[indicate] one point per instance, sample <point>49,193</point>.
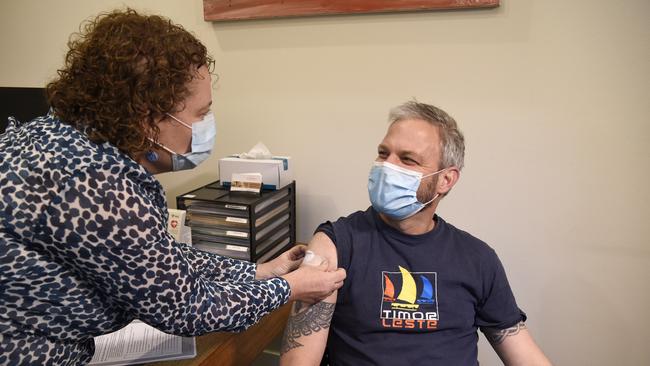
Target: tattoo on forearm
<point>497,336</point>
<point>305,320</point>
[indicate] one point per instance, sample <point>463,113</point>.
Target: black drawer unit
<point>241,225</point>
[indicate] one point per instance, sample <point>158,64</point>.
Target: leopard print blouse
<point>84,250</point>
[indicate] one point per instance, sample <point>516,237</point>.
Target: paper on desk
<point>137,343</point>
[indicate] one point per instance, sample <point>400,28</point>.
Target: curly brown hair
<point>124,71</point>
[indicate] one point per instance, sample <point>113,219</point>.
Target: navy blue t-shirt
<point>414,299</point>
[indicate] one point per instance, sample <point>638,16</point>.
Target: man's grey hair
<point>452,142</point>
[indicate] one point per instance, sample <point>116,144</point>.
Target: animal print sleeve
<point>107,229</point>
<point>219,268</point>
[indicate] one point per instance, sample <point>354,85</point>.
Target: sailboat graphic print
<point>409,297</point>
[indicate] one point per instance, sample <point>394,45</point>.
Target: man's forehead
<point>402,149</point>
<point>416,136</point>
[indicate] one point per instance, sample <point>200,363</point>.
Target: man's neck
<point>420,223</point>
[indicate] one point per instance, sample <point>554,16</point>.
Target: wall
<point>553,99</point>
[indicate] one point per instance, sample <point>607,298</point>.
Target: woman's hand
<point>313,283</point>
<point>281,265</point>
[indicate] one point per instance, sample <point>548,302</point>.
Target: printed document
<point>139,343</point>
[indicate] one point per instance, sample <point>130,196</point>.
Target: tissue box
<point>276,172</point>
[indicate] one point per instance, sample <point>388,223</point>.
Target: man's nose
<point>393,159</point>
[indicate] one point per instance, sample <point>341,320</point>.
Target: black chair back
<point>23,103</point>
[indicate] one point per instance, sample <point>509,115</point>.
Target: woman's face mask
<point>204,133</point>
<point>393,190</point>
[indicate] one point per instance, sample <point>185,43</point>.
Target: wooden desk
<point>226,349</point>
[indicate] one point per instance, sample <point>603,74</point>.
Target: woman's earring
<point>152,156</point>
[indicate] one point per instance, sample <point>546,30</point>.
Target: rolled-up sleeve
<point>497,308</point>
<point>109,230</point>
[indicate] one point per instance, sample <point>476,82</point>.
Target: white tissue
<point>312,259</point>
<point>259,151</point>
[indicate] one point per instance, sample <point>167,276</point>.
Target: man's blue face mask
<point>393,190</point>
<point>203,136</point>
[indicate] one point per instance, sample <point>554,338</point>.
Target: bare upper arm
<point>322,245</point>
<point>307,328</point>
<point>515,346</point>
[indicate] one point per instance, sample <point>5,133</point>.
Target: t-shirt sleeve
<point>337,233</point>
<point>498,308</point>
<point>340,235</point>
<point>112,234</point>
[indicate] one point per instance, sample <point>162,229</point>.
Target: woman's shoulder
<point>67,142</point>
<point>51,142</point>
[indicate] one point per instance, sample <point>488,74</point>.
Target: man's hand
<point>283,264</point>
<point>311,284</point>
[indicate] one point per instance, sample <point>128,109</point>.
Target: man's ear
<point>447,179</point>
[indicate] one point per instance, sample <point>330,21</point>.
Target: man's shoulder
<point>468,242</point>
<point>357,217</point>
<point>347,229</point>
<point>356,221</point>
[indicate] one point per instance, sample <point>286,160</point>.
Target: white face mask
<point>204,133</point>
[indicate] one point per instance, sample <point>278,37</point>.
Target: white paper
<point>175,222</point>
<point>238,220</point>
<point>238,234</point>
<point>186,235</point>
<point>246,182</point>
<point>237,248</point>
<point>236,207</point>
<point>138,343</point>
